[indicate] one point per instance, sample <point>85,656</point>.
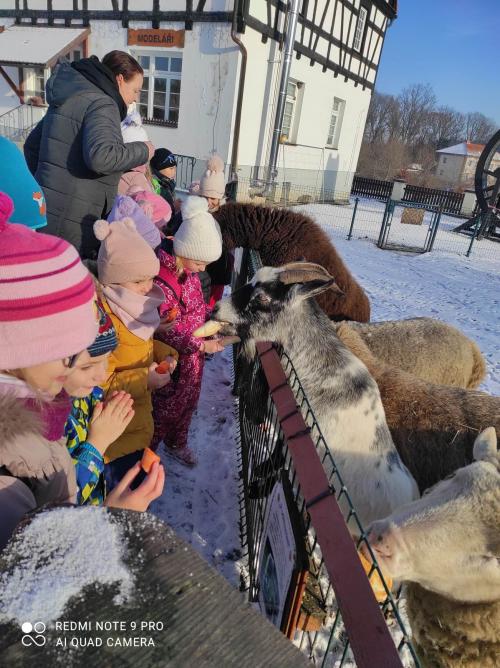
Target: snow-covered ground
<point>201,504</point>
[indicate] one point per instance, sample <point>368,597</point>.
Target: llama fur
<point>282,236</point>
<point>427,348</point>
<point>433,426</point>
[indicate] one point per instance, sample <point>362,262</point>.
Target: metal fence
<point>371,188</point>
<point>333,615</point>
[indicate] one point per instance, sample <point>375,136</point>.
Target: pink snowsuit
<point>174,404</point>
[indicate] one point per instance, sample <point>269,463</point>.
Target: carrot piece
<point>148,459</point>
<point>171,315</point>
<point>163,367</point>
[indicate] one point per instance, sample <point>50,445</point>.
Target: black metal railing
<point>338,619</point>
<point>371,188</point>
<point>448,201</point>
<point>185,171</point>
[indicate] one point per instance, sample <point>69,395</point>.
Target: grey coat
<point>77,155</point>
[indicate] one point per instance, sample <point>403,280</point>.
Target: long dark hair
<point>120,62</point>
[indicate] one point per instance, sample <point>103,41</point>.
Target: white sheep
<point>427,348</point>
<point>446,546</point>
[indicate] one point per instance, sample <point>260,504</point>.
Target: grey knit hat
<point>198,237</point>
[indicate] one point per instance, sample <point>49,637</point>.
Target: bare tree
<point>415,104</point>
<point>444,127</point>
<point>378,118</point>
<point>479,128</point>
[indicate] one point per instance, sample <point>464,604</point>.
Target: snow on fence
<point>303,567</point>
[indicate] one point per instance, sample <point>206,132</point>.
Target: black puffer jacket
<point>77,154</point>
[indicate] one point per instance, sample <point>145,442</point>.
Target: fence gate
<point>409,226</point>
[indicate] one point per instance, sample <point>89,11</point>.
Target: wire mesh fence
<point>331,612</point>
<point>332,205</point>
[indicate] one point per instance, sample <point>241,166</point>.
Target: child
<point>155,207</point>
<point>164,167</point>
<point>197,242</point>
<point>126,268</point>
<point>133,130</point>
<point>212,184</point>
<point>47,318</point>
<point>92,426</point>
<point>125,206</point>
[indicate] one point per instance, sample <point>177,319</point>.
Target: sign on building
<point>156,37</point>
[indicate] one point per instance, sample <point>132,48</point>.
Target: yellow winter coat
<point>128,371</point>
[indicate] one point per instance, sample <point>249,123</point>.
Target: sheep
<point>429,349</point>
<point>278,306</point>
<point>446,546</point>
<point>433,426</point>
<point>283,236</point>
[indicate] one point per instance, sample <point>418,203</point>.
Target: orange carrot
<point>148,459</point>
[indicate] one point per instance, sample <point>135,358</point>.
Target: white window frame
<point>29,76</point>
<point>290,137</point>
<point>150,73</point>
<point>335,127</point>
<point>359,31</point>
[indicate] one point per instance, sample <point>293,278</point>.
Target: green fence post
<point>349,236</point>
<point>474,234</point>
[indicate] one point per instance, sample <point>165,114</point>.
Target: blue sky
<point>451,44</point>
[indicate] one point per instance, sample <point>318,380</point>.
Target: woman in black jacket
<point>76,152</point>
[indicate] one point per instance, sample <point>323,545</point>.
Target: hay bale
<point>413,216</point>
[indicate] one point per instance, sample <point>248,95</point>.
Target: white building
<point>457,164</point>
<point>192,74</point>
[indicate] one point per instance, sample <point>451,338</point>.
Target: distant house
<point>457,164</point>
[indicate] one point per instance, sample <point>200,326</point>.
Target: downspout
<point>291,28</point>
<point>239,101</point>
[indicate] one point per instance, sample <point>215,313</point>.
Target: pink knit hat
<point>154,206</point>
<point>124,256</point>
<point>47,296</point>
<point>213,182</point>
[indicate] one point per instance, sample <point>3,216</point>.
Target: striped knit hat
<point>47,309</point>
<point>106,340</point>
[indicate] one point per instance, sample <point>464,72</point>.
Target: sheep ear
<point>485,447</point>
<point>315,287</point>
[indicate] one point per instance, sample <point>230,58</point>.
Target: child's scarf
<point>138,313</point>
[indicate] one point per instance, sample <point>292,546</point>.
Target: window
<point>360,29</point>
<point>161,91</point>
<point>335,122</point>
<point>291,99</point>
<point>444,161</point>
<point>34,82</point>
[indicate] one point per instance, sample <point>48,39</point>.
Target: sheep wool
<point>448,634</point>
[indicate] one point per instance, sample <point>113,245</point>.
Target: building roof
<point>34,45</point>
<point>464,148</point>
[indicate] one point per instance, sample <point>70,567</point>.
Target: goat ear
<point>316,287</point>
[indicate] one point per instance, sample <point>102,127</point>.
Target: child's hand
<point>140,498</point>
<point>165,326</point>
<point>213,346</point>
<point>109,420</point>
<point>157,380</point>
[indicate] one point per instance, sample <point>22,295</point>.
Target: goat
<point>433,426</point>
<point>427,348</point>
<point>446,546</point>
<point>281,236</point>
<point>278,306</point>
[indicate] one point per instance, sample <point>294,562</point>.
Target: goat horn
<point>302,272</point>
<point>298,276</point>
<point>302,266</point>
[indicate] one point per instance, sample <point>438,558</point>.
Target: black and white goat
<point>277,306</point>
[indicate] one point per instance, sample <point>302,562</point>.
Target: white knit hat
<point>132,128</point>
<point>199,236</point>
<point>213,182</point>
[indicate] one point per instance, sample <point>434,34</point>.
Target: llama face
<point>448,541</point>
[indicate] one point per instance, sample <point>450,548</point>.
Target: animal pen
<point>312,585</point>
